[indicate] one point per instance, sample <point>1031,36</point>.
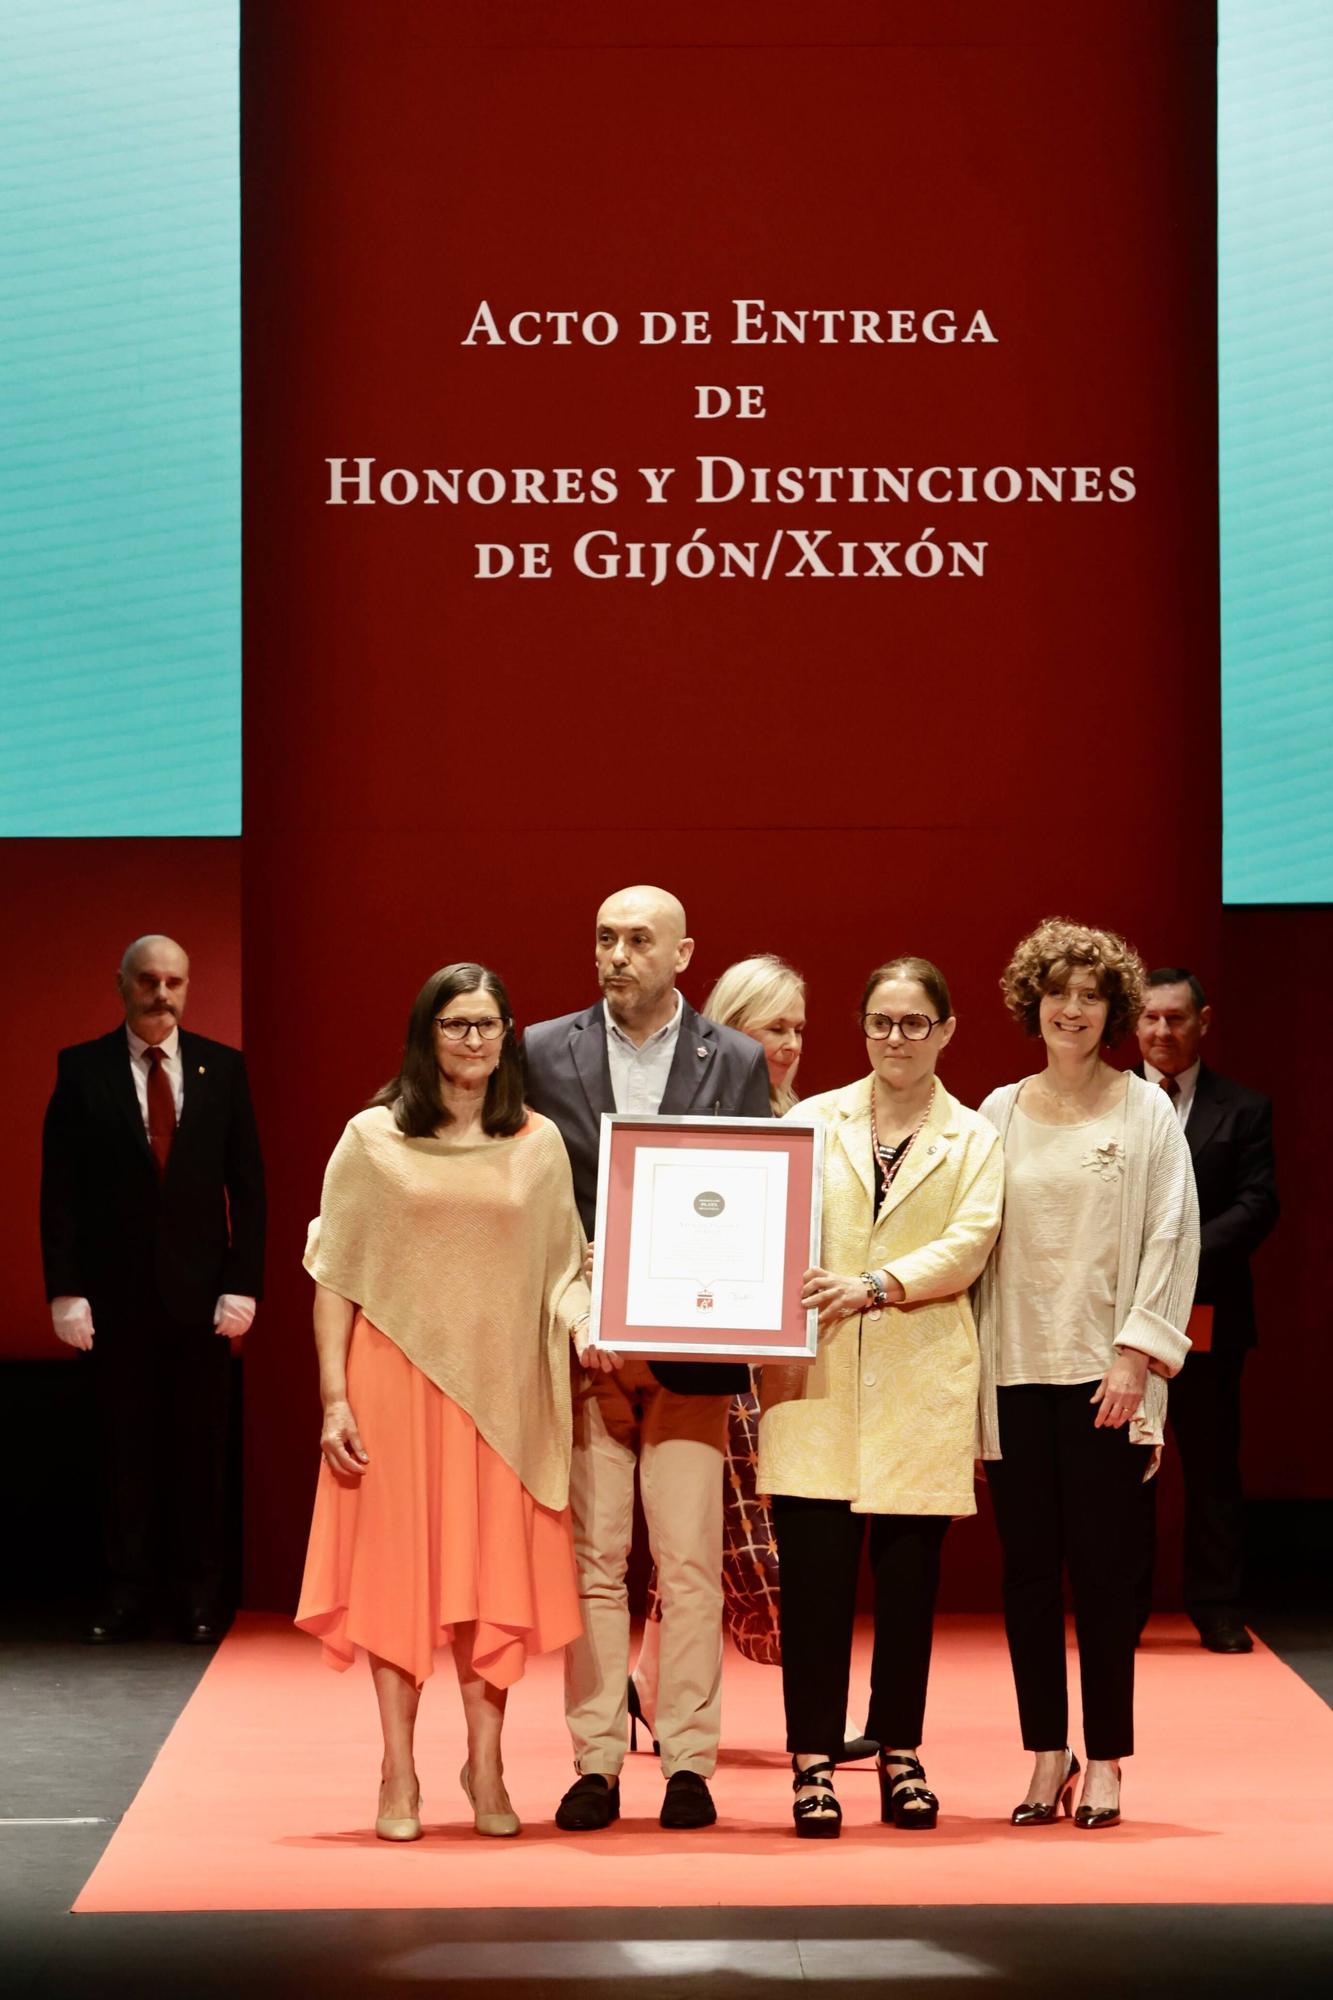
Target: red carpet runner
<point>263,1796</point>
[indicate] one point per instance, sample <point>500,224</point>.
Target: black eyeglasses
<point>489,1028</point>
<point>912,1027</point>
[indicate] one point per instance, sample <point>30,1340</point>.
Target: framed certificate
<point>704,1229</point>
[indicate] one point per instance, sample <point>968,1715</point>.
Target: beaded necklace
<point>891,1157</point>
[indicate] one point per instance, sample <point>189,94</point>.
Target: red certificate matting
<point>622,1137</point>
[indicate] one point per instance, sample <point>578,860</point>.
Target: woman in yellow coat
<point>882,1424</point>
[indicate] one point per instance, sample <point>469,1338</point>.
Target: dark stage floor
<point>80,1729</point>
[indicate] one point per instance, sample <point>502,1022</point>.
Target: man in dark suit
<point>642,1048</point>
<point>1230,1134</point>
<point>153,1245</point>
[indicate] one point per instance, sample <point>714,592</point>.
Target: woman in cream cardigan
<point>882,1424</point>
<point>1081,1315</point>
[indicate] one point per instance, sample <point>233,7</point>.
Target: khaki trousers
<point>678,1443</point>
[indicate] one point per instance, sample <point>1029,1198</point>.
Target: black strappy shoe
<point>904,1797</point>
<point>814,1820</point>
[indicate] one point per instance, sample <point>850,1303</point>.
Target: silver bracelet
<point>876,1296</point>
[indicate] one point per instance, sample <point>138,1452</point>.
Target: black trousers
<point>1204,1414</point>
<point>163,1397</point>
<point>819,1555</point>
<point>1068,1494</point>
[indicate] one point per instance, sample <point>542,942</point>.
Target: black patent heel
<point>1041,1814</point>
<point>818,1818</point>
<point>1089,1818</point>
<point>905,1800</point>
<point>637,1716</point>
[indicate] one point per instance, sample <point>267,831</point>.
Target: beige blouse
<point>1058,1254</point>
<point>1155,1267</point>
<point>469,1256</point>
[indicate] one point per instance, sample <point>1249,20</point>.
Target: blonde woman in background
<point>762,997</point>
<point>765,999</point>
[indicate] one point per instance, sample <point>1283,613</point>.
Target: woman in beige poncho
<point>448,1264</point>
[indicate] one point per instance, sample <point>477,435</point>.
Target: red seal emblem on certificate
<point>704,1300</point>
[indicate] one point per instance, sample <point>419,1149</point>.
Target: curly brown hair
<point>1046,957</point>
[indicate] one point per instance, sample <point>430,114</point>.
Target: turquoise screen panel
<point>1275,294</point>
<point>120,571</point>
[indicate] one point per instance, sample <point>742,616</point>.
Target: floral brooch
<point>1107,1162</point>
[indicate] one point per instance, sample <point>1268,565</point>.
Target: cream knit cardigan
<point>1159,1257</point>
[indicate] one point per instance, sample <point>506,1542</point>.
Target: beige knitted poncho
<point>469,1256</point>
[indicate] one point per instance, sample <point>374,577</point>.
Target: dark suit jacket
<point>117,1233</point>
<point>1230,1137</point>
<point>1230,1134</point>
<point>715,1071</point>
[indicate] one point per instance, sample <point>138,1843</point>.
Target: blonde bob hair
<point>752,992</point>
<point>1044,960</point>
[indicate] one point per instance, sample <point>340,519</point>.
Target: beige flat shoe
<point>500,1824</point>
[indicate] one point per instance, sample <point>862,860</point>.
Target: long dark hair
<point>414,1094</point>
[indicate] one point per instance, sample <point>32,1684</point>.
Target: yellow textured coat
<point>886,1415</point>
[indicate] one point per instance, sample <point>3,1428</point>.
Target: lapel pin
<point>201,1069</point>
<point>701,1052</point>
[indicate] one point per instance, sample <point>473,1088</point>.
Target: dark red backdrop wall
<point>438,767</point>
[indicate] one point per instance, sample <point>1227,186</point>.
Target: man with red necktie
<point>153,1218</point>
<point>1229,1130</point>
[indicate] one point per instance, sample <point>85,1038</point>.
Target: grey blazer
<point>715,1072</point>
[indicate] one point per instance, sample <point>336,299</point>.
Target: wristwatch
<point>875,1293</point>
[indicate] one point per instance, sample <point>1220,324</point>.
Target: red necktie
<point>161,1110</point>
<point>1170,1086</point>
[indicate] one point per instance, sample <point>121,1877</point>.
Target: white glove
<point>232,1315</point>
<point>72,1320</point>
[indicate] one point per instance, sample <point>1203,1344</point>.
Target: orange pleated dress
<point>437,1532</point>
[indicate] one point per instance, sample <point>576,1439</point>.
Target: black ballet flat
<point>1041,1814</point>
<point>818,1818</point>
<point>636,1716</point>
<point>905,1800</point>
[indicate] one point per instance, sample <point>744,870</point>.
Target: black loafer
<point>688,1801</point>
<point>1227,1635</point>
<point>113,1628</point>
<point>203,1631</point>
<point>590,1804</point>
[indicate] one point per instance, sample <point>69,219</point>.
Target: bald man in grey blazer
<point>642,1048</point>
